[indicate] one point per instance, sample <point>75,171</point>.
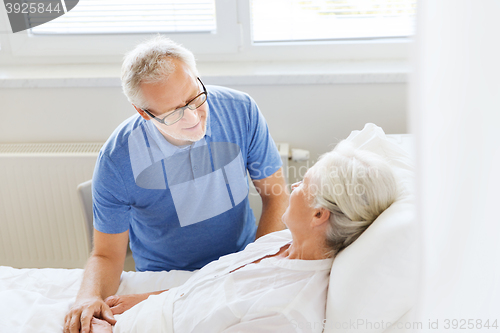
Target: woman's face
<point>299,211</point>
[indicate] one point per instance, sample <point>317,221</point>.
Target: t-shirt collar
<point>169,149</point>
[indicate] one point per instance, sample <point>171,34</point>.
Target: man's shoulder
<point>231,105</point>
<point>118,140</point>
<point>218,93</point>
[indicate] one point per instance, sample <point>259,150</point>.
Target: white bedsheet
<point>278,295</point>
<point>36,300</point>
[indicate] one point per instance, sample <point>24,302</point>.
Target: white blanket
<point>275,295</point>
<point>155,315</point>
<point>36,300</point>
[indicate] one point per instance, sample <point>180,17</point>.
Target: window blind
<point>302,20</point>
<point>128,16</point>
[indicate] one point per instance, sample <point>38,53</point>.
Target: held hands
<point>120,304</point>
<point>100,326</point>
<point>83,312</point>
<point>79,317</point>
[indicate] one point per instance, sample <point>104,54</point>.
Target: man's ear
<point>142,113</point>
<point>321,216</point>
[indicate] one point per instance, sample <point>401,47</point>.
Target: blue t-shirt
<point>184,206</point>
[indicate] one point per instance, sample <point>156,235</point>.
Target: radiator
<point>41,220</point>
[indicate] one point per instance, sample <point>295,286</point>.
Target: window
<point>222,30</point>
<point>102,30</point>
<point>302,20</point>
<point>130,16</point>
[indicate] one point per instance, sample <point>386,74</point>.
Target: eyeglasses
<point>174,116</point>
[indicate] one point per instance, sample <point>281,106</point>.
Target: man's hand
<point>80,315</point>
<point>101,278</point>
<point>120,304</point>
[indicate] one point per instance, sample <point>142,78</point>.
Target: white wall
<point>455,106</point>
<point>312,117</point>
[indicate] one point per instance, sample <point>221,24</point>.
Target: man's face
<point>175,92</point>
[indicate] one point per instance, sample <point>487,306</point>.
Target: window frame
<point>345,49</point>
<point>225,40</point>
<point>232,42</point>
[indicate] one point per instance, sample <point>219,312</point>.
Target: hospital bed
<point>372,282</point>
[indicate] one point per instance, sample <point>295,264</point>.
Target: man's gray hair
<point>356,186</point>
<point>150,62</point>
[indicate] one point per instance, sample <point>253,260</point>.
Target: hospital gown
<point>274,295</point>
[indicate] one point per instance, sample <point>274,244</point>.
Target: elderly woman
<point>279,283</point>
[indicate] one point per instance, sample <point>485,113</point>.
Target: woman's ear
<point>141,112</point>
<point>321,216</point>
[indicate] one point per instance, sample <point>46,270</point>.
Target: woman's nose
<point>294,185</point>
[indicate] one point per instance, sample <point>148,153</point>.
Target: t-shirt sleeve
<point>263,157</point>
<point>109,195</point>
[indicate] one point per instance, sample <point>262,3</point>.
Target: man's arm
<point>100,280</point>
<point>274,194</point>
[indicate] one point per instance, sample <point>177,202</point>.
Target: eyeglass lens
<point>178,114</point>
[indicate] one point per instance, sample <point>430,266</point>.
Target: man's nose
<point>191,115</point>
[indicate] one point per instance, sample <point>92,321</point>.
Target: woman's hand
<point>100,326</point>
<point>120,304</point>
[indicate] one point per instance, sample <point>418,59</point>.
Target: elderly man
<point>173,179</point>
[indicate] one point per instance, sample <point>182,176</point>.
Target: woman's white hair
<point>149,62</point>
<point>356,186</point>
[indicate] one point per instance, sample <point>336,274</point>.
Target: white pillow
<point>373,281</point>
